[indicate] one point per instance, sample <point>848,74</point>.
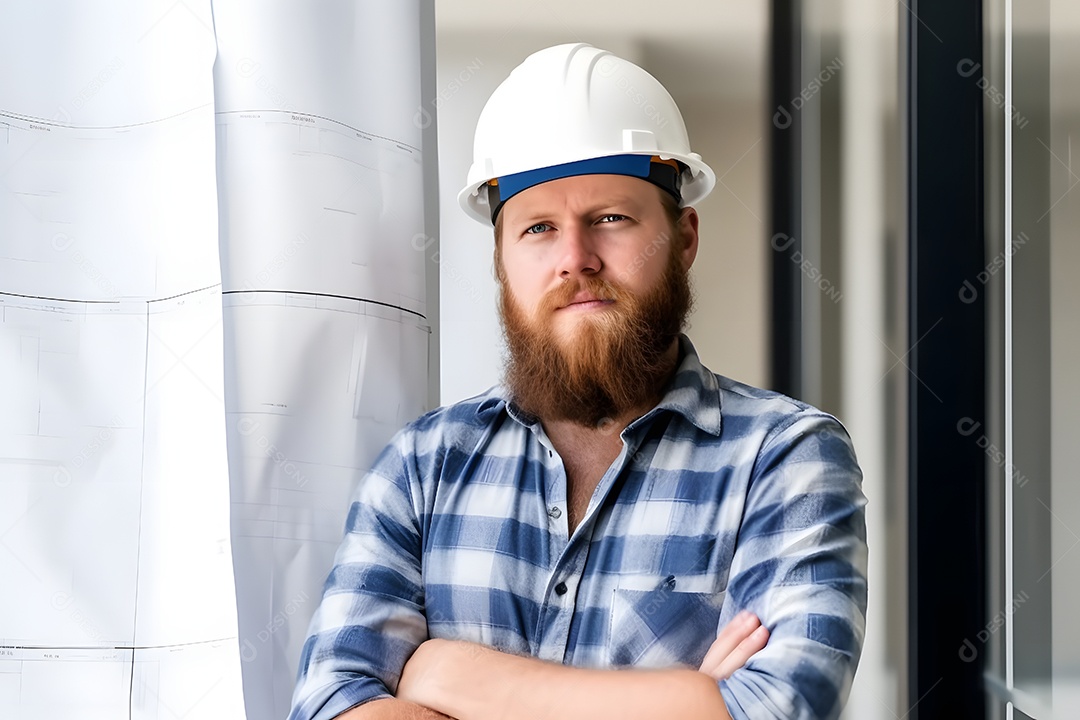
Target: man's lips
<point>585,302</point>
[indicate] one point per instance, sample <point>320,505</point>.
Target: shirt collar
<point>692,392</point>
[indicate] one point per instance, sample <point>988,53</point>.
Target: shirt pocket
<point>662,627</point>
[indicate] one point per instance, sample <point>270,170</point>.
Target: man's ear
<point>687,228</point>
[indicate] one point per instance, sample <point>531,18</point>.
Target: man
<point>614,531</point>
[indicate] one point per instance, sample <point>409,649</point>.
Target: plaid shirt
<point>724,497</point>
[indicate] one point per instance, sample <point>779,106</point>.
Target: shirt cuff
<point>332,700</point>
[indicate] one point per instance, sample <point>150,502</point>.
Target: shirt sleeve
<point>800,566</point>
<point>371,616</point>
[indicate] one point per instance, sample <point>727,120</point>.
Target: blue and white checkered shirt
<point>724,497</point>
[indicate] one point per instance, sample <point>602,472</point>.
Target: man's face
<point>610,227</point>
<point>593,292</point>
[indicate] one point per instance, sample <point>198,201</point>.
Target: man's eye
<point>611,218</point>
<point>533,230</point>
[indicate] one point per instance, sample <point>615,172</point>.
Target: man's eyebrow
<point>617,200</point>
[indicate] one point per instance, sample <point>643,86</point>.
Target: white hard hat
<point>575,109</point>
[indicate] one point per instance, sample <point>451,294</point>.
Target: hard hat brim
<point>697,180</point>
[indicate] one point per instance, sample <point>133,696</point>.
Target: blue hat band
<point>642,166</point>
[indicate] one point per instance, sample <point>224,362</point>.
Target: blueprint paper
<point>112,63</point>
<point>321,203</point>
<point>71,442</point>
<point>193,682</point>
<point>107,214</point>
<point>118,360</point>
<point>106,121</point>
<point>113,475</point>
<point>299,441</point>
<point>330,212</point>
<point>354,63</point>
<point>185,587</point>
<point>52,683</point>
<point>115,512</point>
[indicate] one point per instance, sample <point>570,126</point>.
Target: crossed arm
<point>446,678</point>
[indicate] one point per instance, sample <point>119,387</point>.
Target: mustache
<point>565,293</point>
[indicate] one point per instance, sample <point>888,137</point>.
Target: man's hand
<point>740,638</point>
<point>474,682</point>
<point>420,681</point>
<point>467,680</point>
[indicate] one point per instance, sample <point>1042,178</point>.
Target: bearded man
<point>614,531</point>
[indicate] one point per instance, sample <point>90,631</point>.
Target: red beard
<point>608,362</point>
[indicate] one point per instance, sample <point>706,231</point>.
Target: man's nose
<point>577,252</point>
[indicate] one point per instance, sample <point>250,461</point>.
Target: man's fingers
<point>736,631</point>
<point>738,657</point>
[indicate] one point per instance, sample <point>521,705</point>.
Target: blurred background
<point>891,239</point>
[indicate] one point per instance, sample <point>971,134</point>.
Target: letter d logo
<point>781,118</point>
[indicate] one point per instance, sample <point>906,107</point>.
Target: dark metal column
<point>786,201</point>
<point>947,358</point>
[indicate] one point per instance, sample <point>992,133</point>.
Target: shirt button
<point>560,589</point>
<point>555,512</point>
